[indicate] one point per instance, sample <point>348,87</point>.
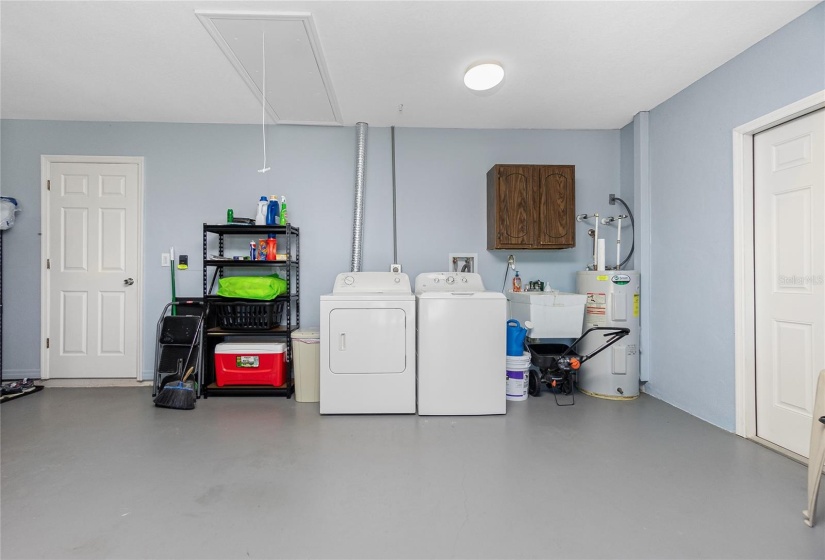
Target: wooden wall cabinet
<point>531,207</point>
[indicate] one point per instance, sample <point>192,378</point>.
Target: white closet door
<point>789,258</point>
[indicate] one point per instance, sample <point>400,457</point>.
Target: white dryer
<point>461,347</point>
<point>368,345</point>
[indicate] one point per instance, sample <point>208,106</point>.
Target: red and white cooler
<point>250,363</point>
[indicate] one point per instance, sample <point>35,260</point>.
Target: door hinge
<point>48,264</point>
<point>48,185</point>
<point>47,343</point>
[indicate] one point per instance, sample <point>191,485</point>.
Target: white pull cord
<point>263,99</point>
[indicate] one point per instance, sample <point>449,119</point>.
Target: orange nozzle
<point>575,363</point>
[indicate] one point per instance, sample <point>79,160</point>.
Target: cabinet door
<point>555,208</point>
<point>514,203</point>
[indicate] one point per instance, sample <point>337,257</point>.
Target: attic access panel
<point>298,88</point>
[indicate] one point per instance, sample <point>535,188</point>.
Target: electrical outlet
<point>463,262</point>
<point>165,259</point>
<point>612,200</point>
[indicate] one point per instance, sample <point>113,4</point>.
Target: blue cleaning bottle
<point>272,211</point>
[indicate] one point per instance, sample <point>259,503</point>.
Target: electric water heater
<point>612,301</point>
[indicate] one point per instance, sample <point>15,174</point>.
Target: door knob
<point>129,281</point>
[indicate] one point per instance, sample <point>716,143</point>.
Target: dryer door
<point>367,341</point>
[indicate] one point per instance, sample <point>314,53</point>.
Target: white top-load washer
<point>462,339</point>
<point>368,345</point>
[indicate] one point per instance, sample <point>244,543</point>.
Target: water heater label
<point>596,309</point>
<point>620,279</point>
<point>635,305</point>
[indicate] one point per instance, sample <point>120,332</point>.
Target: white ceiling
<point>569,65</point>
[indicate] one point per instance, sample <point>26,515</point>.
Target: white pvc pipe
<point>596,244</point>
<point>619,244</point>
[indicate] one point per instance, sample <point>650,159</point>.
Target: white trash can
<point>306,353</point>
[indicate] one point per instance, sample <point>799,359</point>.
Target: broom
<point>177,395</point>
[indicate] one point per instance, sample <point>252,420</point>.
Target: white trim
<point>45,174</point>
<point>644,242</point>
<point>743,297</point>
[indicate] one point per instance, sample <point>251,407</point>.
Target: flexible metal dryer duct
<point>360,180</point>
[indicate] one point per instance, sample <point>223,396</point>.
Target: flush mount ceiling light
<point>482,76</point>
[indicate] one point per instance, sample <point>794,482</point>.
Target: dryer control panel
<point>448,282</point>
<point>371,282</point>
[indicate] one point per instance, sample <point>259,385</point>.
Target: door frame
<point>45,172</point>
<point>743,247</point>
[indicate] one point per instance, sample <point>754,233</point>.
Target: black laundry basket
<point>248,315</point>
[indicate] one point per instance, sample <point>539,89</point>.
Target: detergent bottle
<point>517,282</point>
<point>260,215</point>
<point>272,211</point>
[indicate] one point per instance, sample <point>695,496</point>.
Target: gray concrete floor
<point>101,473</point>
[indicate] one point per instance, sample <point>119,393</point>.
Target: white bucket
<point>518,377</point>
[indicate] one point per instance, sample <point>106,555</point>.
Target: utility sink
<point>553,314</point>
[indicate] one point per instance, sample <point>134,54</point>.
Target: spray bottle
<point>284,217</point>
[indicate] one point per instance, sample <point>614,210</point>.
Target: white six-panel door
<point>789,271</point>
<point>92,252</point>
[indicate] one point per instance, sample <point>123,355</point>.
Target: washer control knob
<point>349,280</point>
<point>450,280</point>
<point>397,280</point>
<point>464,279</point>
<point>435,280</point>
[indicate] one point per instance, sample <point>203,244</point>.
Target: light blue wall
<point>692,324</point>
<point>195,172</point>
